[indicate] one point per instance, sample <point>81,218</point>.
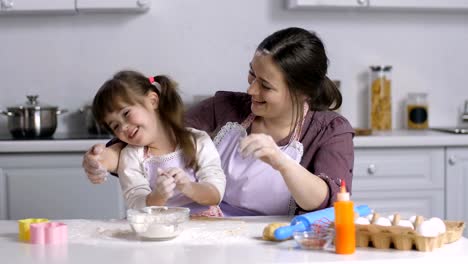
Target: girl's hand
<point>263,147</point>
<point>181,179</point>
<point>99,160</point>
<point>93,166</point>
<point>164,187</point>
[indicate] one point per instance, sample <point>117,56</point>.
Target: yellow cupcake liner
<point>24,233</point>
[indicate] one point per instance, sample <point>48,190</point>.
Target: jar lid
<point>32,103</point>
<point>381,67</point>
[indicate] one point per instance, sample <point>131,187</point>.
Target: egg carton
<point>405,238</point>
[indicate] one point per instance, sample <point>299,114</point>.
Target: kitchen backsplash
<point>204,46</point>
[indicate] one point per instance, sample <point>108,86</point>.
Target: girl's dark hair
<point>300,54</point>
<point>130,87</point>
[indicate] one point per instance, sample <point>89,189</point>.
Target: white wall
<point>206,45</point>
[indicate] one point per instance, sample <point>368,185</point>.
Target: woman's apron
<point>176,160</point>
<point>253,187</point>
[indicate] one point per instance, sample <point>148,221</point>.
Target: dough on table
<point>269,231</point>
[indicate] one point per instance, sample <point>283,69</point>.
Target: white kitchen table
<point>233,240</point>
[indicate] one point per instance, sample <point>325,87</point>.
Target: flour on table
<point>116,232</point>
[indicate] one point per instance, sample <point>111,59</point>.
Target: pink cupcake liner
<point>49,233</point>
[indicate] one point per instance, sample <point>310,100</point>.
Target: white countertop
<point>62,145</point>
<point>411,138</point>
<point>395,138</point>
<point>234,240</point>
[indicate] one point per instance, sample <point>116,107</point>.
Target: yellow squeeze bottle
<point>345,230</point>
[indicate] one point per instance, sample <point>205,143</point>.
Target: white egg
<point>405,223</point>
<point>362,221</point>
<point>439,224</point>
<point>427,229</point>
<point>390,217</point>
<point>382,221</point>
<point>370,216</point>
<point>412,219</point>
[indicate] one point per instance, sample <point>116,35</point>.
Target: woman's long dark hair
<point>301,56</point>
<point>130,87</point>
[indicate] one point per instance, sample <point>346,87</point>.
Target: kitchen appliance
<point>465,112</point>
<point>32,120</point>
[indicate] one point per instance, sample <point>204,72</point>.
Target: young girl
<point>164,163</point>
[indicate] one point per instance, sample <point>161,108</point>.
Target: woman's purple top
<point>327,137</point>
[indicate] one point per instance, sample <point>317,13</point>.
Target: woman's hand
<point>263,147</point>
<point>183,183</point>
<point>99,160</point>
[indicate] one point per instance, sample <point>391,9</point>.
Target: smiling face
<point>136,124</point>
<point>270,94</point>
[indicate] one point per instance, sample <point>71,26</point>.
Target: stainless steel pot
<point>32,120</point>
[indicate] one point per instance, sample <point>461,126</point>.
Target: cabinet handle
<point>452,160</point>
<point>371,169</point>
<point>7,4</point>
<point>363,2</point>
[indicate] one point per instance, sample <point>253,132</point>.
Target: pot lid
<point>33,103</point>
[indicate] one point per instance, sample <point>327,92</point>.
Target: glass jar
<point>380,98</point>
<point>417,111</point>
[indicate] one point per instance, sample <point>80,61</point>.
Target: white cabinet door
<point>379,4</point>
<point>457,185</point>
<point>407,180</point>
<point>3,196</point>
<point>292,4</point>
<point>113,5</point>
<point>54,186</point>
<point>34,6</point>
<point>427,203</point>
<point>420,4</point>
<point>391,169</point>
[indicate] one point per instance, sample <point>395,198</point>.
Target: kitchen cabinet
<point>299,4</point>
<point>3,196</point>
<point>409,180</point>
<point>380,4</point>
<point>54,185</point>
<point>457,184</point>
<point>34,6</point>
<point>420,4</point>
<point>112,5</point>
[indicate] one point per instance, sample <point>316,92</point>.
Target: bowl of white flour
<point>158,222</point>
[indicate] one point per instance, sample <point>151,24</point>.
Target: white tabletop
<point>234,240</point>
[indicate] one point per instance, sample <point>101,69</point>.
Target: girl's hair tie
<point>155,83</point>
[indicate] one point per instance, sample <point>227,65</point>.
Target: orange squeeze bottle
<point>345,230</point>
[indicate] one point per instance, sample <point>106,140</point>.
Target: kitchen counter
<point>395,138</point>
<point>230,240</point>
<point>411,138</point>
<point>58,143</point>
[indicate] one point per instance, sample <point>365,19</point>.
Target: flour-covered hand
<point>181,179</point>
<point>164,186</point>
<point>92,164</point>
<point>263,147</point>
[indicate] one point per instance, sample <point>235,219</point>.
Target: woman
<point>283,151</point>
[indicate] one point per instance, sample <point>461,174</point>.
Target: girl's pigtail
<point>171,110</point>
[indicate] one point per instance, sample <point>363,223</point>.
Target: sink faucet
<point>465,112</point>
